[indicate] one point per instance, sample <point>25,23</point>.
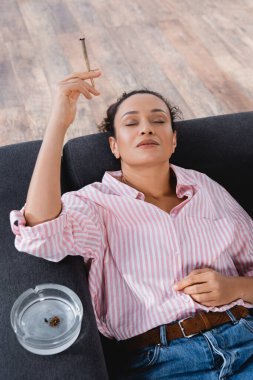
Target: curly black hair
<point>107,125</point>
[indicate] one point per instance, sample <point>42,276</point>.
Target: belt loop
<point>232,317</point>
<point>163,334</point>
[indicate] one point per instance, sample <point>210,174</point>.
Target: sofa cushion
<point>219,146</point>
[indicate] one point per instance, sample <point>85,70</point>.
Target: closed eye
<point>156,122</point>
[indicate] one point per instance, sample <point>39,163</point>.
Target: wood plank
<point>37,18</point>
<point>199,99</point>
<point>11,21</point>
<point>42,32</point>
<point>61,17</point>
<point>114,13</point>
<point>148,74</point>
<point>34,92</point>
<point>15,126</point>
<point>234,37</point>
<point>154,11</point>
<point>9,94</point>
<point>216,80</point>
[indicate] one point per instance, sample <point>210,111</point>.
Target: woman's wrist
<point>242,288</point>
<point>57,122</point>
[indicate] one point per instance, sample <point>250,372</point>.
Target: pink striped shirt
<point>139,251</point>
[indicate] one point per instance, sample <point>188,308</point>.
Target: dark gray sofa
<point>220,146</point>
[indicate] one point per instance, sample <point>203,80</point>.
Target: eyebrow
<point>153,110</point>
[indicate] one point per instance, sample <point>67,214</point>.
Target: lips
<point>147,142</point>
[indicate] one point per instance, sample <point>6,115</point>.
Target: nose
<point>146,128</point>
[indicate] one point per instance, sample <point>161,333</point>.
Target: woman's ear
<point>114,147</point>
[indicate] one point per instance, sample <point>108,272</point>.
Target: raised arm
<point>43,201</point>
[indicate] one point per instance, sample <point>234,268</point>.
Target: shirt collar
<point>112,180</point>
<point>185,185</point>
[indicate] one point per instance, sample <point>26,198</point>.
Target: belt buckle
<point>182,329</point>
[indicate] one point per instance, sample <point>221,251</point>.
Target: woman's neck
<point>154,183</point>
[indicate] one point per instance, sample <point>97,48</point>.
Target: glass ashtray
<point>47,319</point>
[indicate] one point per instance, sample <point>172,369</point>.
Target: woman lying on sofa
<point>171,250</point>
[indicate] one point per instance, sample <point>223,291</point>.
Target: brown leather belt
<point>187,328</point>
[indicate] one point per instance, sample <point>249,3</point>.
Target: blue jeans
<point>225,352</point>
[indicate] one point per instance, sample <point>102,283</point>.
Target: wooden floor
<point>197,53</point>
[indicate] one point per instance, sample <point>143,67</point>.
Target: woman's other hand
<point>68,91</point>
<point>208,287</point>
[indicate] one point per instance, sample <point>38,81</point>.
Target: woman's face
<point>141,117</point>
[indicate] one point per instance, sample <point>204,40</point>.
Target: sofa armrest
<point>21,271</point>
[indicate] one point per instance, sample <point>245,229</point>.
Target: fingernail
<point>95,70</point>
<point>176,287</point>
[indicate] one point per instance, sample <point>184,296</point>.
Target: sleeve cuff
<point>41,230</point>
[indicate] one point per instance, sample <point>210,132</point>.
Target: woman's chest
<point>167,203</point>
<point>141,237</point>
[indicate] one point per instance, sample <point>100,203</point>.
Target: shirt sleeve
<point>242,248</point>
<point>76,231</point>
